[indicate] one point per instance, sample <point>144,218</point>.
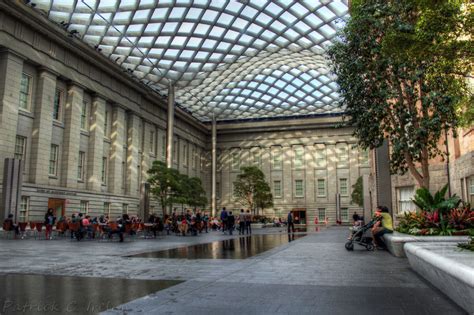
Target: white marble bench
<point>396,240</point>
<point>447,267</point>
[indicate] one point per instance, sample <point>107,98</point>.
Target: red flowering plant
<point>461,219</point>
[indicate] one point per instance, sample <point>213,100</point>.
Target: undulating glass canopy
<point>235,59</point>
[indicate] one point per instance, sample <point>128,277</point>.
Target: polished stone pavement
<point>313,275</point>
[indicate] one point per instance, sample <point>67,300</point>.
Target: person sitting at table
<point>153,228</point>
<point>183,227</point>
<point>9,225</point>
<point>167,224</point>
<point>121,221</point>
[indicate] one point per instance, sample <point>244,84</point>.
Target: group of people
<point>188,222</point>
<point>229,222</point>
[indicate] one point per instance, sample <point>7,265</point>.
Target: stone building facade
<point>461,172</point>
<point>86,133</point>
<point>309,164</point>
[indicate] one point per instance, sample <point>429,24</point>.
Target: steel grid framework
<point>236,59</point>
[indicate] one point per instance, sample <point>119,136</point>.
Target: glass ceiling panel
<point>273,51</point>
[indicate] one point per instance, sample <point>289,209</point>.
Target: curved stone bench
<point>447,267</point>
<point>396,240</point>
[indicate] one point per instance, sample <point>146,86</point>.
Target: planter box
<point>396,240</point>
<point>447,267</point>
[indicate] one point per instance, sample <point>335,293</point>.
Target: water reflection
<point>239,248</point>
<point>41,294</point>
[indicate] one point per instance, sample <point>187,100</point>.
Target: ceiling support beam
<point>214,167</point>
<point>170,127</point>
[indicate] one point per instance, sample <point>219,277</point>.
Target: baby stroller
<point>357,236</point>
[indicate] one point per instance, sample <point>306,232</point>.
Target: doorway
<point>299,216</point>
<point>58,206</point>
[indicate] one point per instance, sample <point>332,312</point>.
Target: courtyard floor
<point>309,275</point>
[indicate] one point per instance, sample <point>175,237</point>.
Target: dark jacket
<point>230,220</point>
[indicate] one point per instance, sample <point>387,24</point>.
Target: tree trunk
<point>163,206</point>
<point>423,179</point>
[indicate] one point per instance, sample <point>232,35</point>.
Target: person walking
<point>224,216</point>
<point>230,222</point>
<point>290,223</point>
<point>248,222</point>
<point>242,222</point>
<point>49,220</point>
<point>205,221</point>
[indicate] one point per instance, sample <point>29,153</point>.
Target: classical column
<point>11,67</point>
<point>214,167</point>
<point>72,135</point>
<point>96,143</point>
<point>116,150</point>
<point>170,127</point>
<point>132,154</point>
<point>42,126</point>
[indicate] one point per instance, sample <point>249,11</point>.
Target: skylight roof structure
<point>233,59</point>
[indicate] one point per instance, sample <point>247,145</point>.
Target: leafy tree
<point>195,193</point>
<point>402,67</point>
<point>263,196</point>
<point>171,187</point>
<point>251,189</point>
<point>164,183</point>
<point>358,192</point>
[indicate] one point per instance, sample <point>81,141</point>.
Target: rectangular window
<point>185,155</point>
<point>80,165</point>
<point>321,187</point>
<point>405,203</point>
<point>276,160</point>
<point>53,160</point>
<point>256,158</point>
<point>344,214</point>
<point>218,190</point>
<point>299,158</point>
<point>107,209</point>
<point>364,157</point>
<point>57,106</point>
<point>84,116</point>
<point>106,124</point>
<point>277,189</point>
<point>125,208</point>
<point>124,174</point>
<point>24,209</point>
<point>163,148</point>
<point>20,147</point>
<point>139,174</point>
<point>471,190</point>
<point>193,159</point>
<point>202,162</point>
<point>321,215</point>
<point>235,161</point>
<point>175,151</point>
<point>299,188</point>
<point>343,189</point>
<point>103,175</point>
<point>152,142</point>
<point>342,156</point>
<point>84,206</point>
<point>320,158</point>
<point>25,91</point>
